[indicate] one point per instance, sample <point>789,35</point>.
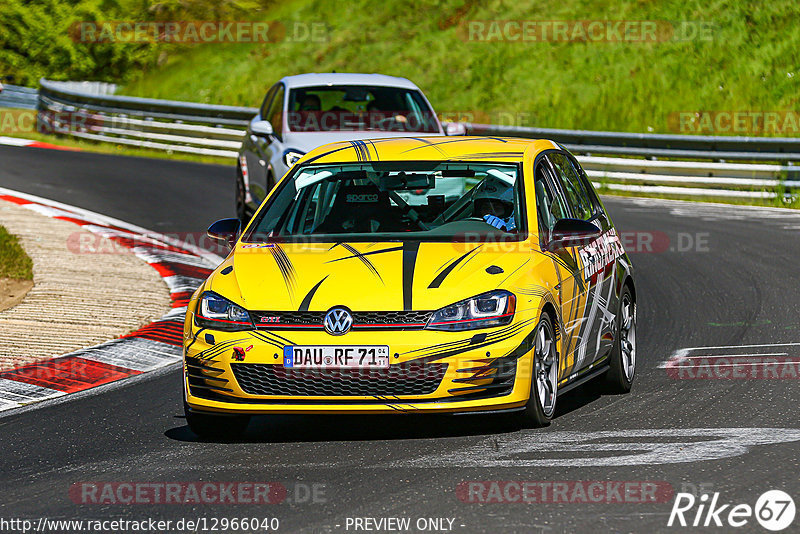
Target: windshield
<point>371,201</point>
<point>359,108</point>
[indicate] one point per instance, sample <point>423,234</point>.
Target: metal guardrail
<point>64,93</point>
<point>641,171</point>
<point>716,147</point>
<point>15,96</point>
<point>168,125</point>
<point>712,166</point>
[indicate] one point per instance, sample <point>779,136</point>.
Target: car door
<point>593,332</point>
<point>261,159</point>
<point>551,206</point>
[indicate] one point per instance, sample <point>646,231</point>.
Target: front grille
<point>402,320</point>
<point>401,379</point>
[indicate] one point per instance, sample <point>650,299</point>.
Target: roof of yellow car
<point>428,149</point>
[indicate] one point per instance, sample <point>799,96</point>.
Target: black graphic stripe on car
<point>523,264</point>
<point>457,347</point>
<point>500,139</point>
<point>328,153</point>
<point>271,336</point>
<point>426,144</point>
<point>361,150</point>
<point>410,250</point>
<point>491,155</point>
<point>368,264</point>
<point>375,149</point>
<point>361,254</point>
<point>470,347</point>
<point>285,266</point>
<point>447,270</point>
<point>267,339</point>
<point>216,350</point>
<point>310,295</point>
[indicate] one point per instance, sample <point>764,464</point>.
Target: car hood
<point>308,141</point>
<point>377,276</point>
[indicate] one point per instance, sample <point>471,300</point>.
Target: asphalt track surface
<point>738,287</point>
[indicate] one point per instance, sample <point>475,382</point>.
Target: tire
<point>544,379</point>
<point>619,377</point>
<point>222,427</point>
<point>241,207</point>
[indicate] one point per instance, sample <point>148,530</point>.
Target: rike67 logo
<point>774,510</point>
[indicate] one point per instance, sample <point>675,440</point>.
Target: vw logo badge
<point>338,321</point>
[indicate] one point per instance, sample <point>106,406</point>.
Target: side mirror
<point>261,128</point>
<point>455,128</point>
<point>572,233</point>
<point>225,230</point>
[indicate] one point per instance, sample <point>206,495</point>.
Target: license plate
<point>336,356</point>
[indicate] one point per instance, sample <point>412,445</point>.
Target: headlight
<point>290,157</point>
<point>495,308</point>
<point>219,313</point>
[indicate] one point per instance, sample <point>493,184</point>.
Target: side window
<point>549,204</point>
<point>597,206</point>
<point>267,99</point>
<point>575,191</point>
<point>275,113</point>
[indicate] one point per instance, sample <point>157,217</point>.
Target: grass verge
<point>770,203</point>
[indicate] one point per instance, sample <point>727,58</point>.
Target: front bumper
<point>431,372</point>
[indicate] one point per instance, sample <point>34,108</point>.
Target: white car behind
<point>300,113</point>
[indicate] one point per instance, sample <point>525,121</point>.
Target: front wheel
<point>619,378</point>
<point>215,426</point>
<point>544,382</point>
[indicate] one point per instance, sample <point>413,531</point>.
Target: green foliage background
<point>38,38</point>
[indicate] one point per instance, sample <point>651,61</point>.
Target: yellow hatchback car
<point>342,297</point>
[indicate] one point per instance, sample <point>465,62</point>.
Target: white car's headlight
<point>214,311</point>
<point>290,157</point>
<point>495,308</point>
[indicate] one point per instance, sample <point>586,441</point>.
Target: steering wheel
<point>389,121</point>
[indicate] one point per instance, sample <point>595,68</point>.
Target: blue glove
<point>511,224</point>
<point>495,221</point>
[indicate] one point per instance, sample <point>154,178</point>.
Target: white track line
<point>734,355</point>
<point>92,216</point>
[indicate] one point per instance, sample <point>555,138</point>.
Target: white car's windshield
<point>367,201</point>
<point>359,108</point>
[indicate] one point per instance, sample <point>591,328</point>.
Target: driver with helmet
<point>494,203</point>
